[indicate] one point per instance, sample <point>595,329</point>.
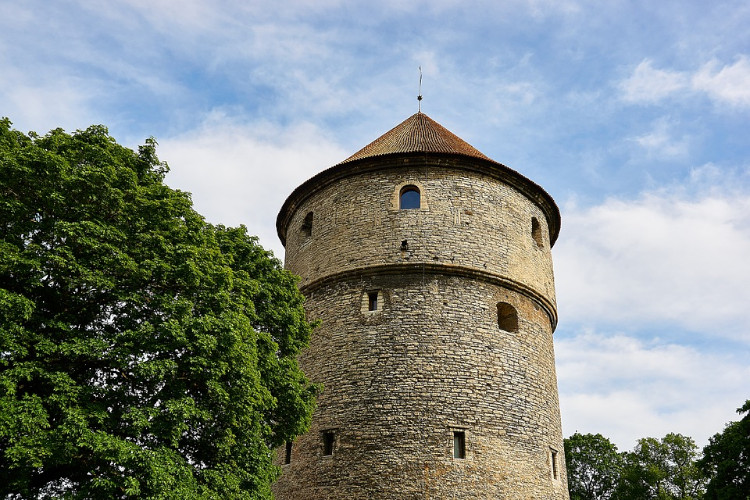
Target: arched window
<point>409,198</point>
<point>536,232</point>
<point>507,317</point>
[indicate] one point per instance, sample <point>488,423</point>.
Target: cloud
<point>241,173</point>
<point>660,142</point>
<point>628,389</point>
<point>647,84</point>
<point>726,85</point>
<point>670,257</point>
<point>42,105</point>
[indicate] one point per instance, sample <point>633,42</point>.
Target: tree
<point>593,466</point>
<point>726,460</point>
<point>662,469</point>
<point>143,351</point>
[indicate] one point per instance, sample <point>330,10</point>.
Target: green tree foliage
<point>726,460</point>
<point>143,352</point>
<point>593,466</point>
<point>663,469</point>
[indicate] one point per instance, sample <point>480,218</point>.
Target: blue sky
<point>633,115</point>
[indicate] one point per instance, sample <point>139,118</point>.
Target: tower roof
<point>417,134</point>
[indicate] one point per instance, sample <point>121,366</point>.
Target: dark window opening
<point>372,301</point>
<point>288,454</point>
<point>329,437</point>
<point>307,225</point>
<point>553,462</point>
<point>409,198</point>
<point>536,232</point>
<point>459,444</point>
<point>507,317</point>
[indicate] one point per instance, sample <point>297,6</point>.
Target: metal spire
<point>419,97</point>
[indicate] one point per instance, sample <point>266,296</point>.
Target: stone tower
<point>429,267</point>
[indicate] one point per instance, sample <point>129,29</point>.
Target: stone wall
<point>432,359</point>
<point>466,219</point>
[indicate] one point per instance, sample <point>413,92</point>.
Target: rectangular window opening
<point>329,437</point>
<point>459,444</point>
<point>288,454</point>
<point>372,301</point>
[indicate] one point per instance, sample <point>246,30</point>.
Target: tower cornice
<point>429,268</point>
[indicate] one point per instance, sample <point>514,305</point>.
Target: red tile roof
<point>417,134</point>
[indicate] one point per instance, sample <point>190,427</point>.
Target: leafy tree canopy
<point>663,469</point>
<point>593,466</point>
<point>143,351</point>
<point>726,460</point>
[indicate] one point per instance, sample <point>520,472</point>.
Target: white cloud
<point>666,257</point>
<point>661,143</point>
<point>42,105</point>
<point>241,173</point>
<point>728,84</point>
<point>628,389</point>
<point>195,16</point>
<point>647,84</point>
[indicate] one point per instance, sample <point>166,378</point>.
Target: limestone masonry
<point>429,267</point>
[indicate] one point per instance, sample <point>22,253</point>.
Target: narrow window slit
<point>553,462</point>
<point>536,232</point>
<point>329,438</point>
<point>459,444</point>
<point>288,454</point>
<point>307,225</point>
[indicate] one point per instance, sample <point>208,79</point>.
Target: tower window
<point>373,301</point>
<point>507,317</point>
<point>329,438</point>
<point>553,462</point>
<point>536,232</point>
<point>409,198</point>
<point>307,225</point>
<point>288,454</point>
<point>459,444</point>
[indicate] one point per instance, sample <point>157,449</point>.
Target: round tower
<point>428,265</point>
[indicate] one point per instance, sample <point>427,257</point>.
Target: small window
<point>307,225</point>
<point>288,454</point>
<point>373,301</point>
<point>553,462</point>
<point>459,444</point>
<point>536,232</point>
<point>409,198</point>
<point>329,438</point>
<point>507,317</point>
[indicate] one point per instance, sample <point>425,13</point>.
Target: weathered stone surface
<point>432,360</point>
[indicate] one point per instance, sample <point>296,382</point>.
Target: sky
<point>633,115</point>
